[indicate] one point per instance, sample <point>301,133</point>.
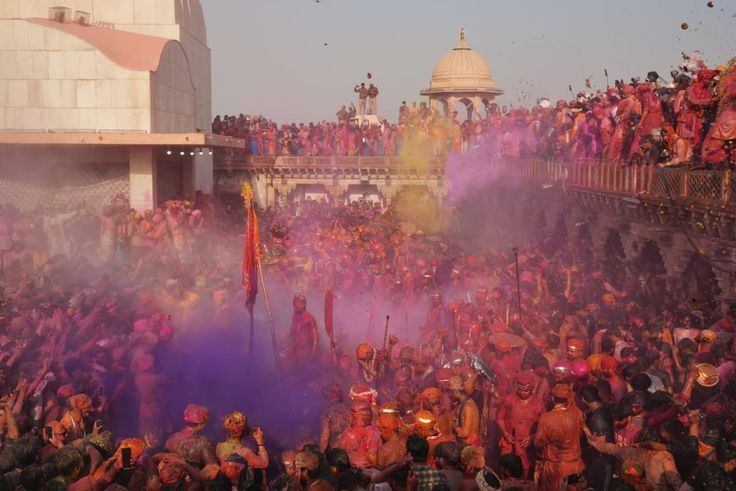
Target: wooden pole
<point>518,282</point>
<point>270,316</point>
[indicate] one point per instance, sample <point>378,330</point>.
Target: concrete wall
<point>52,80</point>
<point>181,20</point>
<point>173,99</point>
<point>88,92</point>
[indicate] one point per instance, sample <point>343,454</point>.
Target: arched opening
<point>700,284</point>
<point>464,108</point>
<point>309,192</point>
<point>650,260</point>
<point>558,239</point>
<point>364,192</point>
<point>614,258</point>
<point>440,106</point>
<point>583,244</point>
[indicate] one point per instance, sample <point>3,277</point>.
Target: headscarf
<point>194,413</point>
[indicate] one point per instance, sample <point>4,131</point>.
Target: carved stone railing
<point>709,189</point>
<point>330,163</point>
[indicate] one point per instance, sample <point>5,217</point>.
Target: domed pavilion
<point>462,75</point>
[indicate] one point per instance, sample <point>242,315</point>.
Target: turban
<point>235,423</point>
<point>390,407</point>
<point>80,402</point>
<point>194,413</point>
<point>432,395</point>
<point>362,392</point>
<point>425,419</point>
<point>575,344</point>
<point>525,379</point>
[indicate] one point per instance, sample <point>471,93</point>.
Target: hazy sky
<point>269,56</point>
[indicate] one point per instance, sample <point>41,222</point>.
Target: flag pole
<point>250,261</point>
<point>270,315</point>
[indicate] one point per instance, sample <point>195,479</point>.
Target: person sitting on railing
<point>682,153</point>
<point>651,150</point>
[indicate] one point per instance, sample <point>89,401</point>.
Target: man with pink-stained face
<point>304,334</point>
<point>361,440</point>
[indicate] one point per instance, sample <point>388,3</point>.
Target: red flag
<point>250,249</point>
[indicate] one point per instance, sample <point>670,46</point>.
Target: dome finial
<point>462,34</point>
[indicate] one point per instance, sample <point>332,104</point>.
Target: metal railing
<point>704,188</point>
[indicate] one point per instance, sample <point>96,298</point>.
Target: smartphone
<point>127,464</point>
<point>575,479</point>
<point>49,432</point>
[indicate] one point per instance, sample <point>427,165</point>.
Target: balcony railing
<point>705,188</point>
<point>712,189</point>
<point>329,162</point>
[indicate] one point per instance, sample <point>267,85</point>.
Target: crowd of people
<point>588,375</point>
<point>688,121</point>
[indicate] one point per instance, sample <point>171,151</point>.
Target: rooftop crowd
<point>602,378</point>
<point>689,121</point>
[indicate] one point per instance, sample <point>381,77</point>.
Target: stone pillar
<point>270,195</point>
<point>451,103</point>
<point>142,178</point>
<point>203,172</point>
<point>477,104</point>
<point>260,189</point>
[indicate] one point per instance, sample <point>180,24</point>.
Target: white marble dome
<point>461,69</point>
